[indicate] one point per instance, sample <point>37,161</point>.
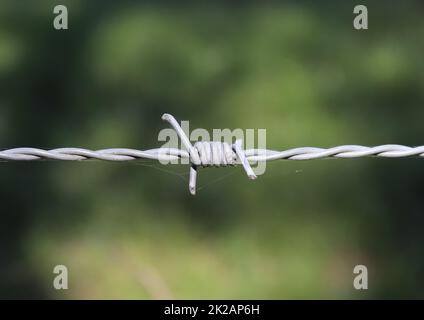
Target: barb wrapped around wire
<point>210,153</point>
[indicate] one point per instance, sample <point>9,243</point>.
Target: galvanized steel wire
<point>210,153</point>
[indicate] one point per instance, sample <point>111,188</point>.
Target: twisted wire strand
<point>344,151</point>
<point>77,154</point>
<point>211,153</point>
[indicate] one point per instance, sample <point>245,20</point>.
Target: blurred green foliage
<point>127,230</point>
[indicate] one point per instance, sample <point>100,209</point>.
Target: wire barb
<point>243,159</point>
<point>210,153</point>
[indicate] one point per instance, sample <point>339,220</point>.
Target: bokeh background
<point>132,230</point>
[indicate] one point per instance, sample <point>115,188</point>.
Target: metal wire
<point>252,155</point>
<point>210,153</point>
<point>77,154</point>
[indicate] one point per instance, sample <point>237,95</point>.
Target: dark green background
<point>128,230</point>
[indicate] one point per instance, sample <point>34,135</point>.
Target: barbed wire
<point>168,154</point>
<point>210,153</point>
